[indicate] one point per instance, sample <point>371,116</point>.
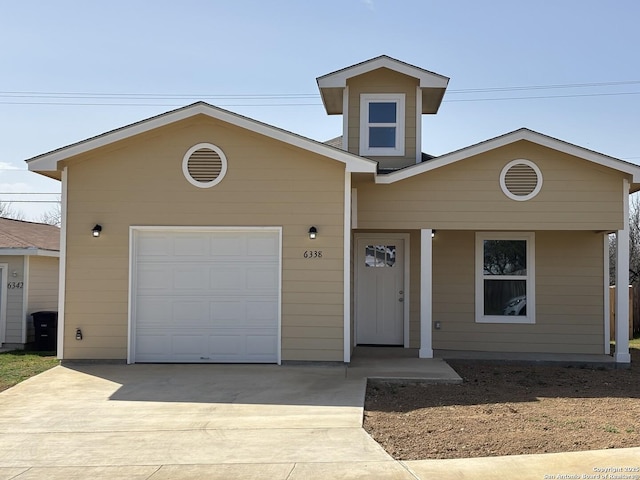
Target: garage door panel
<point>228,246</point>
<point>190,246</point>
<point>153,278</point>
<point>192,345</point>
<point>264,278</point>
<point>226,277</point>
<point>154,245</point>
<point>260,313</point>
<point>151,345</point>
<point>155,309</point>
<point>216,303</point>
<point>262,245</point>
<point>194,279</point>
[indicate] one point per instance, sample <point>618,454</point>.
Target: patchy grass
<point>18,365</point>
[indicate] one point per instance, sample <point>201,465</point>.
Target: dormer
<point>382,101</point>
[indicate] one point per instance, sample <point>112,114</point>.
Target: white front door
<point>380,291</point>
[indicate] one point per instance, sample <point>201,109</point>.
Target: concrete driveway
<point>189,421</point>
<point>174,422</point>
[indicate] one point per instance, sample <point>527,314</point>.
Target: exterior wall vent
<point>204,165</point>
<point>521,180</point>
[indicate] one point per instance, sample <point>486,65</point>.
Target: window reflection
<point>505,297</point>
<point>505,257</point>
<point>380,255</point>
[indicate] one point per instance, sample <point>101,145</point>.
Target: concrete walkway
<point>221,422</point>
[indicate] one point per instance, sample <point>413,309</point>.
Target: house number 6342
<point>312,254</point>
<point>11,285</point>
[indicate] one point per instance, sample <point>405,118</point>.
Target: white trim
<point>406,238</point>
<point>345,119</point>
<point>339,78</point>
<point>418,125</point>
<point>346,279</point>
<point>185,165</point>
<point>48,162</point>
<point>134,229</point>
<point>365,100</point>
<point>354,208</point>
<point>607,306</point>
<point>426,293</point>
<point>25,298</point>
<point>4,270</point>
<point>622,282</point>
<point>507,139</point>
<point>29,252</point>
<point>503,183</point>
<point>62,267</point>
<point>530,317</point>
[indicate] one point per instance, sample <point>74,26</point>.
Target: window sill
<point>506,319</point>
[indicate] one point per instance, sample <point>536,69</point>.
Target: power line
<point>165,96</point>
<point>130,99</point>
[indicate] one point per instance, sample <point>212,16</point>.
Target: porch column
<point>622,284</point>
<point>426,287</point>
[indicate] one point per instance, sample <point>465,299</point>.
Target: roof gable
<point>512,137</point>
<point>332,84</point>
<point>48,163</point>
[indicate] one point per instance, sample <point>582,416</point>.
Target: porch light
<point>433,233</point>
<point>313,232</point>
<point>96,230</point>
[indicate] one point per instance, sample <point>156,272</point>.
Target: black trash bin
<point>46,327</point>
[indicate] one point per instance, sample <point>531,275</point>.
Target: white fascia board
<point>29,252</point>
<point>339,79</point>
<point>49,161</point>
<point>521,134</point>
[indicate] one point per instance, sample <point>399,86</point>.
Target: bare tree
<point>53,216</point>
<point>7,210</point>
<point>634,245</point>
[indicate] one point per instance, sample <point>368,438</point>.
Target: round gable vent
<point>521,180</point>
<point>204,165</point>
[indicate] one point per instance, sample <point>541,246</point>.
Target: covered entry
<point>205,294</point>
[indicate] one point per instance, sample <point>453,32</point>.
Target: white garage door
<point>206,296</point>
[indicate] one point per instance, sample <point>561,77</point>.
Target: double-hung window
<point>382,124</point>
<point>505,278</point>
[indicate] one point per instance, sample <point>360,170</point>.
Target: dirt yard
<point>508,410</point>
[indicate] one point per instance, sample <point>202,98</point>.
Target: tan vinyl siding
<point>569,300</point>
<point>14,300</point>
<point>576,195</point>
<point>43,284</point>
<point>140,182</point>
<point>384,81</point>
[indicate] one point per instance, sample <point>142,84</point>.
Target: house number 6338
<point>312,254</point>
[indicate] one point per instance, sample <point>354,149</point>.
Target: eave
<point>332,85</point>
<point>48,164</point>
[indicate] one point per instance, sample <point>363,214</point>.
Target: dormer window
<point>382,124</point>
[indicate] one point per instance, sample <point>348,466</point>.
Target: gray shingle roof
<point>20,234</point>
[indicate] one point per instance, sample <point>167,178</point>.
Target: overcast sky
<point>70,70</point>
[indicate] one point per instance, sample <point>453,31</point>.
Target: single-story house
<point>29,258</point>
<point>201,235</point>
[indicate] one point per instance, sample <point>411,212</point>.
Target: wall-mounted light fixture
<point>433,233</point>
<point>78,334</point>
<point>313,233</point>
<point>96,230</point>
<point>14,273</point>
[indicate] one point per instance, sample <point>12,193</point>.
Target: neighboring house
<point>29,258</point>
<point>222,239</point>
